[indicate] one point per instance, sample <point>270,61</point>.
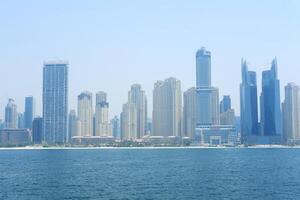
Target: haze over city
<point>111,45</point>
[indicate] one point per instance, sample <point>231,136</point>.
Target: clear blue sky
<point>113,44</point>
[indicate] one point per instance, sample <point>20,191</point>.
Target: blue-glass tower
<point>248,102</point>
<point>55,102</point>
<point>29,112</point>
<point>271,124</point>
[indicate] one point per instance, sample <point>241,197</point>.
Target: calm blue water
<point>150,174</point>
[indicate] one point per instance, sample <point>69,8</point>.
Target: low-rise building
<point>216,135</point>
<point>15,137</point>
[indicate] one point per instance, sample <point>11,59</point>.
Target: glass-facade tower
<point>248,102</point>
<point>271,124</point>
<point>55,102</point>
<point>207,106</point>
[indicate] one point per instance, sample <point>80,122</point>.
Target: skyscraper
<point>74,125</point>
<point>129,122</point>
<point>225,103</point>
<point>85,113</point>
<point>271,124</point>
<point>115,122</point>
<point>134,114</point>
<point>203,68</point>
<point>189,112</point>
<point>207,112</point>
<point>55,102</point>
<point>29,113</point>
<point>11,115</point>
<point>291,113</point>
<point>167,108</point>
<point>248,102</point>
<point>37,130</point>
<point>102,124</point>
<point>137,97</point>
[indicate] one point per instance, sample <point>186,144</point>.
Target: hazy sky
<point>113,44</point>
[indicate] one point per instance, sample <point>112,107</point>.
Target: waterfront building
<point>291,113</point>
<point>116,132</point>
<point>248,102</point>
<point>216,135</point>
<point>37,130</point>
<point>15,137</point>
<point>74,125</point>
<point>207,112</point>
<point>271,122</point>
<point>167,108</point>
<point>85,113</point>
<point>29,113</point>
<point>137,97</point>
<point>129,122</point>
<point>103,126</point>
<point>189,112</point>
<point>11,115</point>
<point>55,102</point>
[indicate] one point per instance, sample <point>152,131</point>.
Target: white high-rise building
<point>137,97</point>
<point>189,112</point>
<point>134,114</point>
<point>85,113</point>
<point>129,122</point>
<point>11,115</point>
<point>103,126</point>
<point>291,113</point>
<point>167,108</point>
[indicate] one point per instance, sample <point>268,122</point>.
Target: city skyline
<point>146,50</point>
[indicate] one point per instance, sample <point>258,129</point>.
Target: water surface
<point>150,174</point>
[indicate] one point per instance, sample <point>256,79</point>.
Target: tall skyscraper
<point>167,108</point>
<point>37,130</point>
<point>102,123</point>
<point>134,114</point>
<point>55,102</point>
<point>85,113</point>
<point>248,102</point>
<point>225,104</point>
<point>11,115</point>
<point>29,113</point>
<point>189,112</point>
<point>207,112</point>
<point>271,123</point>
<point>115,122</point>
<point>129,122</point>
<point>291,113</point>
<point>137,97</point>
<point>203,68</point>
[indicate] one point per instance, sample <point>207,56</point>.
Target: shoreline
<point>149,148</point>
